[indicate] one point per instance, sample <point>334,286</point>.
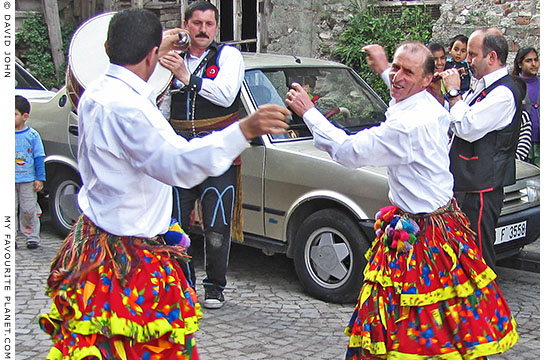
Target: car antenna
<point>297,60</point>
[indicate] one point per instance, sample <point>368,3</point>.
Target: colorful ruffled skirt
<point>427,292</point>
<point>119,298</point>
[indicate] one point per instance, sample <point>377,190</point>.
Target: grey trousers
<point>27,211</point>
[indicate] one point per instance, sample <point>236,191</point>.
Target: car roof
<point>269,61</point>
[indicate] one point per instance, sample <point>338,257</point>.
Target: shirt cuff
<point>195,83</point>
<point>458,111</point>
<point>312,116</point>
<point>385,77</point>
<point>234,136</point>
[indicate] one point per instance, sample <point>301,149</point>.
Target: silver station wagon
<point>296,200</point>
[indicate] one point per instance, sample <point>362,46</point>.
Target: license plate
<point>510,232</point>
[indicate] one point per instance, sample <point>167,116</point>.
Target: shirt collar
<point>132,80</point>
<point>408,102</point>
<point>494,76</point>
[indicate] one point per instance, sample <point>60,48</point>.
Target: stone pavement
<point>267,315</point>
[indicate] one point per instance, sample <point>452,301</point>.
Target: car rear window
<point>24,80</point>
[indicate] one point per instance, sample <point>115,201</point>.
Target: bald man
<point>486,122</point>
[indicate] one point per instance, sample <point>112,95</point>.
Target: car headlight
<point>531,192</point>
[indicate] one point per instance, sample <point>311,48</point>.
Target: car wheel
<point>62,200</point>
<point>329,256</point>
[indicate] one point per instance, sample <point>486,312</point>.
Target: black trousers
<point>217,197</point>
<point>483,210</point>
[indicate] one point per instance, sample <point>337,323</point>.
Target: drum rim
<point>161,76</point>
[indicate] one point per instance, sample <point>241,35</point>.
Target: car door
<point>252,173</point>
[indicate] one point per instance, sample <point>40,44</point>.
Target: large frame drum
<point>87,59</point>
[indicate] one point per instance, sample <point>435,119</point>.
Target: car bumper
<point>532,218</point>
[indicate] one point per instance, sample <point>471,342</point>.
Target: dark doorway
<point>248,27</point>
<point>226,20</point>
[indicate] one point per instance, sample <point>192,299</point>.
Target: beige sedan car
<point>296,200</point>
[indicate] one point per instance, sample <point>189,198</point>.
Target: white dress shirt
<point>129,155</point>
<point>412,143</point>
<point>494,112</point>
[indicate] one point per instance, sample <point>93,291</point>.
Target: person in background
<point>427,291</point>
<point>440,57</point>
<point>205,98</point>
<point>458,50</point>
<point>30,174</point>
<point>116,287</point>
<point>527,65</point>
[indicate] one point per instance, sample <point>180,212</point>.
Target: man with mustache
<point>205,98</point>
<point>486,123</point>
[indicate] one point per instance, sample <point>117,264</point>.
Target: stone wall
<point>304,28</point>
<point>311,27</point>
<point>519,20</point>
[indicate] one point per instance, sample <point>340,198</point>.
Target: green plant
<point>387,28</point>
<point>33,48</point>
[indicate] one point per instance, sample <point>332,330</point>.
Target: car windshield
<point>341,96</point>
<point>23,80</point>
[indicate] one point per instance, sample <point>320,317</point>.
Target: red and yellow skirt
<point>427,293</point>
<point>119,298</point>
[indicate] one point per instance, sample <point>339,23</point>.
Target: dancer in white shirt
<point>427,291</point>
<point>117,291</point>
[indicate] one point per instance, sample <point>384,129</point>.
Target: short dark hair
<point>22,105</point>
<point>132,33</point>
<point>460,37</point>
<point>436,47</point>
<point>201,5</point>
<point>519,58</point>
<point>428,66</point>
<point>497,43</point>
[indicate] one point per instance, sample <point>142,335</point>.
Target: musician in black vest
<point>485,122</point>
<point>205,98</point>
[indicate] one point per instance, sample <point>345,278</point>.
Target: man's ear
<point>106,47</point>
<point>152,56</point>
<point>492,58</point>
<point>428,79</point>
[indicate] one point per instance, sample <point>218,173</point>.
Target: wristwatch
<point>453,93</point>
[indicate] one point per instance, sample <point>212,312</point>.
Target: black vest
<point>490,161</point>
<point>203,109</point>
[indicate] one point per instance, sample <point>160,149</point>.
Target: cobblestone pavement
<point>267,315</point>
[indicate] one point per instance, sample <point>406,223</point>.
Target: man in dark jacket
<point>485,122</point>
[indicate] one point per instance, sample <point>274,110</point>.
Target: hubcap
<point>65,203</point>
<point>328,257</point>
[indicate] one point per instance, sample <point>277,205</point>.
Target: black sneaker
<point>32,244</point>
<point>213,298</point>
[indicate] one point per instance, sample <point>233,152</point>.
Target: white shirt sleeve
<point>385,77</point>
<point>494,112</point>
<point>152,147</point>
<point>384,145</point>
<point>223,89</point>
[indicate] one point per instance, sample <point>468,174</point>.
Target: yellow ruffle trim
<point>461,290</point>
<point>486,349</point>
<point>78,354</point>
<point>113,325</point>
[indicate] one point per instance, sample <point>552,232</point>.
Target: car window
<point>337,92</point>
<point>24,80</point>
